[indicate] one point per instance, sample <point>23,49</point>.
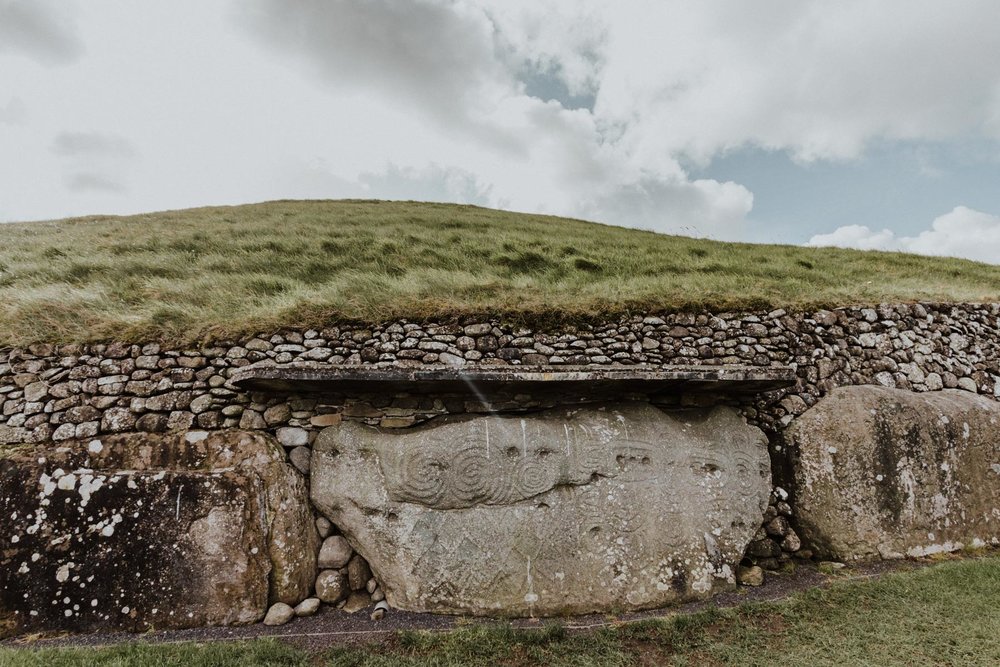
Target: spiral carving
<point>422,477</point>
<point>533,478</point>
<point>476,478</point>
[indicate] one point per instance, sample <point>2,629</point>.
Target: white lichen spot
<point>35,557</point>
<point>23,569</point>
<point>62,574</point>
<point>95,447</point>
<point>88,486</point>
<point>67,482</point>
<point>48,485</point>
<point>93,603</point>
<point>108,530</point>
<point>125,610</point>
<point>15,539</point>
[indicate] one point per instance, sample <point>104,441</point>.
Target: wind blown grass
<point>182,276</point>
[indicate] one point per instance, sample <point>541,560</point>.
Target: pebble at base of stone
<point>307,607</point>
<point>279,614</point>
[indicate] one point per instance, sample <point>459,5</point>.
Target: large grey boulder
<point>890,473</point>
<point>145,531</point>
<point>559,512</point>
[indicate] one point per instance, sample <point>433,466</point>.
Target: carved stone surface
<point>563,511</point>
<point>891,473</point>
<point>142,531</point>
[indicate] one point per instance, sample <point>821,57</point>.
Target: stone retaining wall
<point>72,393</point>
<point>62,392</point>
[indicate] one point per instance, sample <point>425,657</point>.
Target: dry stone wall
<point>61,392</point>
<point>73,393</point>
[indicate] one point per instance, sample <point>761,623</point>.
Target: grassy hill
<point>180,276</point>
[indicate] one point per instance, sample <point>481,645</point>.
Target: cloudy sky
<point>869,124</point>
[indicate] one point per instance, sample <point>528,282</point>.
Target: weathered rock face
<point>137,531</point>
<point>890,473</point>
<point>563,511</point>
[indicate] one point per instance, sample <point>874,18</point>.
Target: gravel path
<point>331,626</point>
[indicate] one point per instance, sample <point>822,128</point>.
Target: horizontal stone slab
<point>484,381</point>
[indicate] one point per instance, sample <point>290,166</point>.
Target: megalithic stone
<point>577,510</point>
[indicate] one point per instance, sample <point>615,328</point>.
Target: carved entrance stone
<point>563,511</point>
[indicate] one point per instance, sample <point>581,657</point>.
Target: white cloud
<point>14,112</point>
<point>43,30</point>
<point>963,232</point>
<point>457,64</point>
<point>701,208</point>
<point>583,108</point>
<point>857,236</point>
<point>92,144</point>
<point>817,79</point>
<point>83,181</point>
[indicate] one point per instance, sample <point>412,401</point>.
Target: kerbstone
<point>889,473</point>
<point>132,532</point>
<point>566,511</point>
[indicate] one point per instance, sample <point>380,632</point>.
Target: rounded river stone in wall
<point>564,511</point>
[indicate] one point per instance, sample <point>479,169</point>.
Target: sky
<point>864,124</point>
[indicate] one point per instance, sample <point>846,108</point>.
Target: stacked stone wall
<point>73,393</point>
<point>63,392</point>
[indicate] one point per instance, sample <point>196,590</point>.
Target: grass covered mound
<point>217,272</point>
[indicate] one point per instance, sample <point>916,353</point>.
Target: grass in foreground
<point>216,272</point>
<point>945,614</point>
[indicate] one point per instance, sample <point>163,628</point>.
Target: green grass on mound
<point>945,614</point>
<point>206,273</point>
